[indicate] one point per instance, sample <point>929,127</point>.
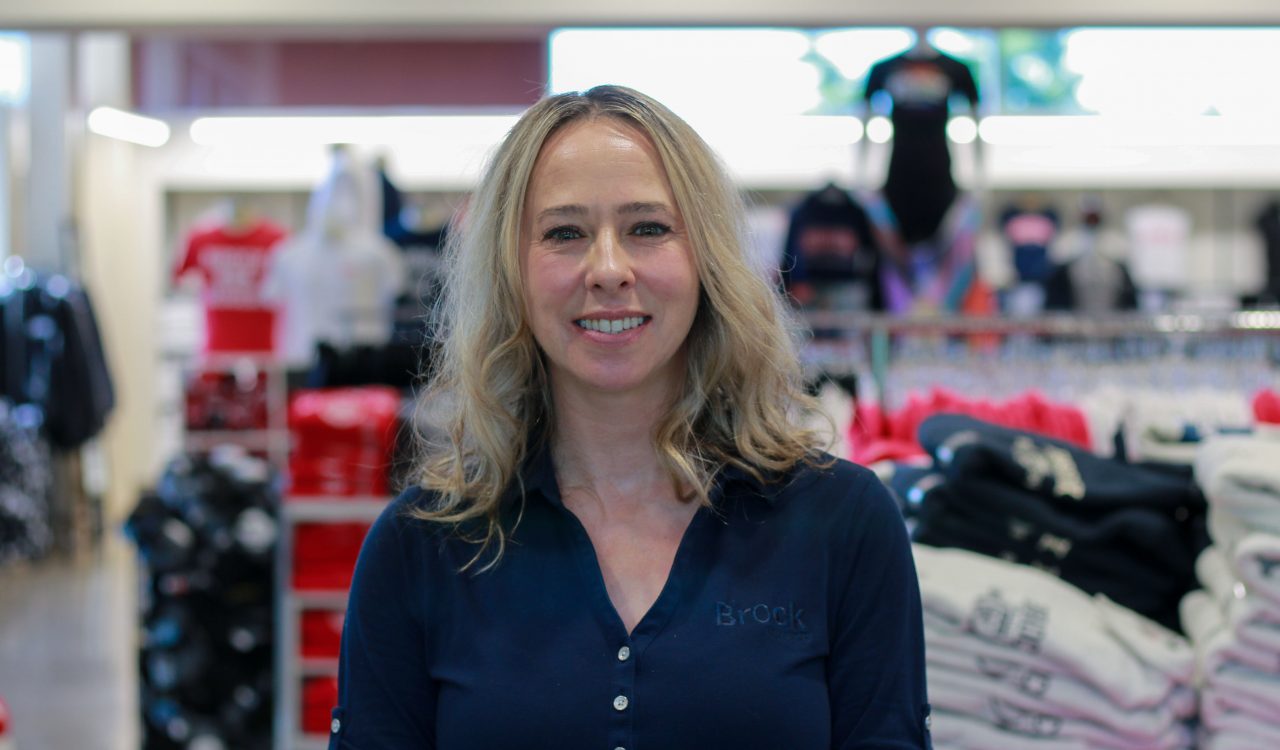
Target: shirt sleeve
<point>877,667</point>
<point>386,697</point>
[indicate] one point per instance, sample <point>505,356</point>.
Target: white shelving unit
<point>291,667</point>
<point>273,439</point>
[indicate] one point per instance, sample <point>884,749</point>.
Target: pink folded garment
<point>959,732</point>
<point>955,693</point>
<point>1057,696</point>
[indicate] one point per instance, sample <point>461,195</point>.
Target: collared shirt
<point>790,619</point>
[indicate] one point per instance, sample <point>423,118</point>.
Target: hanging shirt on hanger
<point>830,262</point>
<point>233,263</point>
<point>1159,242</point>
<point>1029,232</point>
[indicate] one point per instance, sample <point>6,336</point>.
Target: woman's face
<point>609,276</point>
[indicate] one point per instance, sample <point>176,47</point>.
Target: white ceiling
<point>512,16</point>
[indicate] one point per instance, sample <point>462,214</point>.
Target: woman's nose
<point>608,266</point>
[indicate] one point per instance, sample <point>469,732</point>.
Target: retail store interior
<point>1036,253</point>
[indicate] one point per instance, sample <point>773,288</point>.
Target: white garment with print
<point>1026,611</point>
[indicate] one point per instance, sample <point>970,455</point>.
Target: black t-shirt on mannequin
<point>919,187</point>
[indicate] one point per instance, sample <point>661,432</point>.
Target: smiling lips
<point>612,325</point>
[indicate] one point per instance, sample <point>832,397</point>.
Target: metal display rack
<point>866,341</point>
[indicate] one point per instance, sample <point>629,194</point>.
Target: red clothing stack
<point>876,436</point>
<point>344,440</point>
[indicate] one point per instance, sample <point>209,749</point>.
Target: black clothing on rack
<point>831,251</point>
<point>1268,224</point>
<point>25,483</point>
<point>919,187</point>
<point>1090,284</point>
<point>51,357</point>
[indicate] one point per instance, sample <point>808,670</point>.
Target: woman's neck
<point>603,444</point>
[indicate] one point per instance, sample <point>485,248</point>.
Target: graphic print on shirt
<point>1000,622</point>
<point>234,277</point>
<point>1024,721</point>
<point>1049,462</point>
<point>919,84</point>
<point>1033,682</point>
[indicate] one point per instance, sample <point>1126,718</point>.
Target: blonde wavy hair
<point>743,391</point>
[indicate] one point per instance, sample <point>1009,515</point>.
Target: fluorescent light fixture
<point>1128,131</point>
<point>13,68</point>
<point>127,126</point>
<point>367,130</point>
<point>879,129</point>
<point>692,71</point>
<point>962,129</point>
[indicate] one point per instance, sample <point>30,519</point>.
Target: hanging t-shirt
<point>919,186</point>
<point>1029,234</point>
<point>830,262</point>
<point>233,264</point>
<point>340,290</point>
<point>1159,242</point>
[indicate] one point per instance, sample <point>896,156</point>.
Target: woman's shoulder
<point>840,489</point>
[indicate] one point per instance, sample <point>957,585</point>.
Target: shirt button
<point>334,726</point>
<point>624,653</point>
<point>621,702</point>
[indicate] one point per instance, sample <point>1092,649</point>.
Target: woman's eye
<point>562,234</point>
<point>650,229</point>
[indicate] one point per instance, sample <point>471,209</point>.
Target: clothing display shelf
<point>292,667</point>
<point>272,438</point>
<point>869,342</point>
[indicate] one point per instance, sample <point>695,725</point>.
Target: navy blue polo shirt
<point>790,619</point>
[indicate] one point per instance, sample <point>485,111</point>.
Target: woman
<point>625,541</point>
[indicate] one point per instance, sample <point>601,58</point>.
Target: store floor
<point>68,664</point>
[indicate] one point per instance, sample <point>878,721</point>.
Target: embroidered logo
<point>789,617</point>
<point>1049,462</point>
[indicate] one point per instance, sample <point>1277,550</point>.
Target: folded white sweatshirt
<point>1061,697</point>
<point>1027,612</point>
<point>1216,643</point>
<point>1232,740</point>
<point>1254,621</point>
<point>1241,725</point>
<point>959,732</point>
<point>1248,690</point>
<point>1256,560</point>
<point>1019,714</point>
<point>1240,476</point>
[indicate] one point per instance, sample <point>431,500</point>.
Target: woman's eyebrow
<point>643,207</point>
<point>573,209</point>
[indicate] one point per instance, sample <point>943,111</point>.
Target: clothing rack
<point>872,342</point>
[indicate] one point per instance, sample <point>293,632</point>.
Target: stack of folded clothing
<point>1020,659</point>
<point>1235,621</point>
<point>1131,533</point>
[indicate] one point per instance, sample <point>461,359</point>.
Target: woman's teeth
<point>610,326</point>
